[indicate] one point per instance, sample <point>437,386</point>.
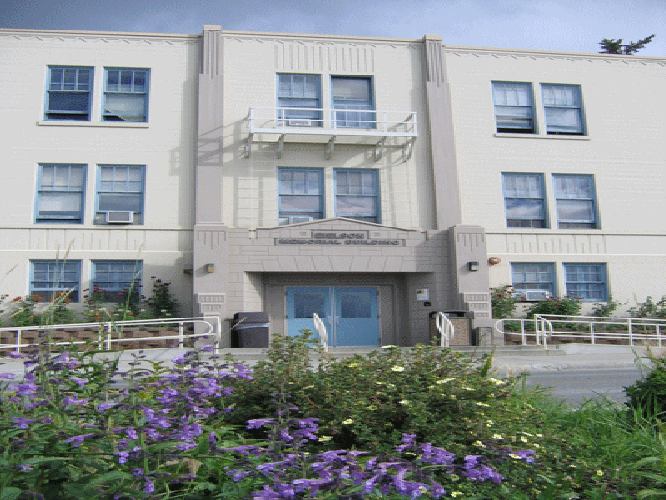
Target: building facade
<point>371,181</point>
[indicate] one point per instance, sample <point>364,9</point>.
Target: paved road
<point>576,386</point>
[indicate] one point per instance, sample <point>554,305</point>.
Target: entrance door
<point>350,314</point>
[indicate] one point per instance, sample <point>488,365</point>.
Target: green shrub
<point>162,304</point>
<point>605,309</point>
<point>503,302</point>
<point>649,309</point>
<point>565,306</point>
<point>648,396</point>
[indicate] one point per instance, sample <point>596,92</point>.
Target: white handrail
<point>321,331</point>
<point>445,328</point>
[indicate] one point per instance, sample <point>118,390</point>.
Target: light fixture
<point>473,266</point>
<point>209,268</point>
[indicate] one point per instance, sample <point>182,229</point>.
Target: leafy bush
<point>649,309</point>
<point>648,395</point>
<point>162,304</point>
<point>503,302</point>
<point>565,306</point>
<point>605,309</point>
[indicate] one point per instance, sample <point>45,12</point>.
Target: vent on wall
<point>532,295</point>
<point>119,217</point>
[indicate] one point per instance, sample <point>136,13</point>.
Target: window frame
<point>579,107</point>
<point>63,219</point>
<point>312,113</point>
<point>306,213</point>
<point>365,118</point>
<point>106,92</point>
<point>563,223</point>
<point>543,198</point>
<point>116,293</point>
<point>532,108</point>
<point>48,92</point>
<point>48,293</point>
<point>546,267</point>
<point>377,196</point>
<point>138,217</point>
<point>603,271</point>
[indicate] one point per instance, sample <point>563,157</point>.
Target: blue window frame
<point>51,278</point>
<point>301,195</point>
<point>357,194</point>
<point>112,280</point>
<point>125,95</point>
<point>533,276</point>
<point>299,100</point>
<point>563,107</point>
<point>351,99</point>
<point>524,200</point>
<point>68,93</point>
<point>576,201</point>
<point>60,193</point>
<point>514,107</point>
<point>120,189</point>
<point>586,281</point>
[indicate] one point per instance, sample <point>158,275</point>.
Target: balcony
<point>356,125</point>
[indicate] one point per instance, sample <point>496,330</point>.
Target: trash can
<point>250,329</point>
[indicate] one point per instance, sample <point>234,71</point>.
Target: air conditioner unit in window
<point>299,122</point>
<point>119,217</point>
<point>297,219</point>
<point>532,295</point>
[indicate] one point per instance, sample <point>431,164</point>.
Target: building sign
<point>356,238</point>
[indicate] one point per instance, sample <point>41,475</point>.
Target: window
<point>68,93</point>
<point>575,197</point>
<point>125,95</point>
<point>50,278</point>
<point>60,193</point>
<point>352,97</point>
<point>514,110</point>
<point>357,194</point>
<point>533,276</point>
<point>301,195</point>
<point>120,194</point>
<point>524,200</point>
<point>586,281</point>
<point>563,109</point>
<point>295,92</point>
<point>112,279</point>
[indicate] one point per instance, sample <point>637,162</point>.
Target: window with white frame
<point>125,95</point>
<point>514,107</point>
<point>50,279</point>
<point>351,98</point>
<point>120,194</point>
<point>300,195</point>
<point>299,100</point>
<point>524,200</point>
<point>60,193</point>
<point>575,198</point>
<point>533,276</point>
<point>357,194</point>
<point>68,93</point>
<point>586,281</point>
<point>563,109</point>
<point>115,280</point>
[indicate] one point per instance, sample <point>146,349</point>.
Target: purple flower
<point>408,440</point>
<point>148,487</point>
<point>24,467</point>
<point>179,360</point>
<point>206,348</point>
<point>238,474</point>
<point>257,423</point>
<point>186,446</point>
<point>26,389</point>
<point>525,455</point>
<point>80,381</point>
<point>105,406</point>
<point>77,440</point>
<point>74,401</point>
<point>7,376</point>
<point>131,433</point>
<point>22,423</point>
<point>16,355</point>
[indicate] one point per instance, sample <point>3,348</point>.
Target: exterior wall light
<point>209,268</point>
<point>473,266</point>
<point>494,261</point>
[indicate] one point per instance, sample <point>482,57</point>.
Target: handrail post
<point>659,333</point>
<point>108,336</point>
<point>18,340</point>
<point>631,331</point>
<point>592,332</point>
<point>180,334</point>
<point>522,332</point>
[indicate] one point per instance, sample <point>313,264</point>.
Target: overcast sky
<point>569,25</point>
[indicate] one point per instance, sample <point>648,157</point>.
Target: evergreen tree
<point>613,46</point>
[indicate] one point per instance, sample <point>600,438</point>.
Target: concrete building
<point>372,181</point>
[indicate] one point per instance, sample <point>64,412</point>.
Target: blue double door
<point>350,314</point>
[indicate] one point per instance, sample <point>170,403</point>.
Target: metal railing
<point>445,329</point>
<point>323,120</point>
<point>321,331</point>
<point>107,333</point>
<point>586,328</point>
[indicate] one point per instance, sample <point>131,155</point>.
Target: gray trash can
<point>250,330</point>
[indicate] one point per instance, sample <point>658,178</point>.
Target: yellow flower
<point>523,439</point>
<point>479,443</point>
<point>468,388</point>
<point>455,494</point>
<point>497,436</point>
<point>404,402</point>
<point>513,455</point>
<point>600,472</point>
<point>353,365</point>
<point>445,380</point>
<point>397,368</point>
<point>482,404</point>
<point>390,386</point>
<point>348,421</point>
<point>496,381</point>
<point>454,477</point>
<point>324,438</point>
<point>372,407</point>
